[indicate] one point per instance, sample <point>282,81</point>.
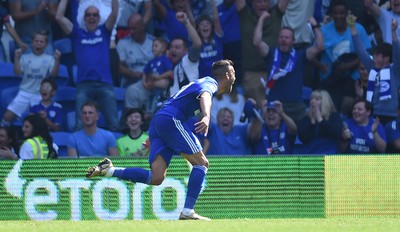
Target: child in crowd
<point>34,67</point>
<point>158,72</point>
<point>49,110</point>
<point>131,144</point>
<point>8,143</point>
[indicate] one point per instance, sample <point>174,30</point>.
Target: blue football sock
<point>137,175</point>
<point>196,180</point>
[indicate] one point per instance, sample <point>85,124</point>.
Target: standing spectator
<point>362,133</point>
<point>384,17</point>
<point>276,135</point>
<point>5,22</point>
<point>39,143</point>
<point>170,134</point>
<point>8,143</point>
<point>339,61</point>
<point>384,74</point>
<point>31,16</point>
<point>321,130</point>
<point>94,80</point>
<point>173,26</point>
<point>131,144</point>
<point>233,100</point>
<point>229,20</point>
<point>130,7</point>
<point>211,34</point>
<point>34,66</point>
<point>49,110</point>
<point>253,64</point>
<point>227,139</point>
<point>184,58</point>
<point>91,140</point>
<point>286,66</point>
<point>134,51</point>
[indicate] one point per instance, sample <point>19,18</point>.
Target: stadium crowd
<point>312,76</point>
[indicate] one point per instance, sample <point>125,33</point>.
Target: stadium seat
<point>62,78</point>
<point>7,95</point>
<point>8,78</point>
<point>66,97</point>
<point>61,138</point>
<point>63,45</point>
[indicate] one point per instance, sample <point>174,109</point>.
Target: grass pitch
<point>242,225</point>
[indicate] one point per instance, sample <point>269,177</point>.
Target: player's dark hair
<point>91,103</point>
<point>385,49</point>
<point>41,129</point>
<point>220,68</point>
<point>335,3</point>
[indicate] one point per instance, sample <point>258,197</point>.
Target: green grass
<point>242,225</point>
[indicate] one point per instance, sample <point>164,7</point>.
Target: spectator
<point>286,66</point>
<point>158,72</point>
<point>253,64</point>
<point>276,135</point>
<point>173,26</point>
<point>227,139</point>
<point>38,142</point>
<point>184,59</point>
<point>361,83</point>
<point>296,17</point>
<point>31,16</point>
<point>339,62</point>
<point>34,67</point>
<point>91,140</point>
<point>131,144</point>
<point>210,32</point>
<point>384,17</point>
<point>8,143</point>
<point>320,131</point>
<point>134,51</point>
<point>94,80</point>
<point>49,110</point>
<point>130,7</point>
<point>229,20</point>
<point>392,131</point>
<point>5,22</point>
<point>234,101</point>
<point>362,133</point>
<point>384,74</point>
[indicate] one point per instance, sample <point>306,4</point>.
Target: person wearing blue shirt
<point>49,110</point>
<point>92,39</point>
<point>91,140</point>
<point>392,131</point>
<point>170,134</point>
<point>276,135</point>
<point>227,139</point>
<point>362,134</point>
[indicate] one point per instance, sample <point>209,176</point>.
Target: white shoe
<point>193,216</point>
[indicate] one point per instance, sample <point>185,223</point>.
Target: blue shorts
<point>169,136</point>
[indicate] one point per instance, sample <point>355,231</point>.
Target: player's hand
<point>181,17</point>
<point>395,24</point>
<point>201,127</point>
<point>57,54</point>
<point>374,126</point>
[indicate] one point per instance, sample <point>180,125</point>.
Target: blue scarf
<point>381,79</point>
<point>276,71</point>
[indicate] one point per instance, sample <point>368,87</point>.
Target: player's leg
<point>196,180</point>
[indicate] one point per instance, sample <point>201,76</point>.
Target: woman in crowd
<point>8,143</point>
<point>39,143</point>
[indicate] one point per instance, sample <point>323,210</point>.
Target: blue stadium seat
<point>66,97</point>
<point>62,78</point>
<point>7,95</point>
<point>8,78</point>
<point>61,138</point>
<point>63,45</point>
